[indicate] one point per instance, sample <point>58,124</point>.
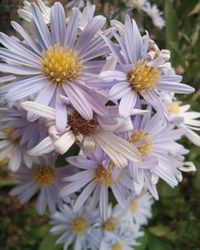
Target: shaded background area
<point>176,216</point>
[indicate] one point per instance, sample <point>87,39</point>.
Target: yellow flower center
<point>44,176</point>
<point>118,246</point>
<point>143,77</point>
<point>146,147</point>
<point>134,205</point>
<point>12,140</point>
<point>173,108</point>
<point>79,226</point>
<point>61,65</point>
<point>81,126</point>
<point>103,176</point>
<point>110,225</point>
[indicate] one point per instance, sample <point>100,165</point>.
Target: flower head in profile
<point>26,12</point>
<point>17,136</point>
<point>137,74</point>
<point>155,14</point>
<point>43,178</point>
<point>56,61</point>
<point>180,116</point>
<point>97,175</point>
<point>78,228</point>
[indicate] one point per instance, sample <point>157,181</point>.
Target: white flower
<point>26,12</point>
<point>156,15</point>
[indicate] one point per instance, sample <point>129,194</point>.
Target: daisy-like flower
<point>116,219</point>
<point>77,228</point>
<point>162,155</point>
<point>97,175</point>
<point>124,239</point>
<point>185,119</point>
<point>57,61</point>
<point>155,14</point>
<point>97,132</point>
<point>137,75</point>
<point>26,12</point>
<point>17,136</point>
<point>43,178</point>
<point>139,208</point>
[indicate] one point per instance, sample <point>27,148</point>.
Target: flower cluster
<point>111,93</point>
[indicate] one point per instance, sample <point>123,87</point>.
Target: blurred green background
<point>176,216</point>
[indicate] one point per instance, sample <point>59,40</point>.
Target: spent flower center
<point>143,77</point>
<point>147,144</point>
<point>61,65</point>
<point>79,125</point>
<point>44,176</point>
<point>173,108</point>
<point>79,226</point>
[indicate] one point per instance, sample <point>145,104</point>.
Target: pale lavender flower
<point>57,61</point>
<point>43,178</point>
<point>138,208</point>
<point>137,75</point>
<point>124,239</point>
<point>185,119</point>
<point>117,218</point>
<point>162,156</point>
<point>17,136</point>
<point>98,174</point>
<point>97,132</point>
<point>78,228</point>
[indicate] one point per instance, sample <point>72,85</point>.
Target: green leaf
<point>49,243</point>
<point>159,230</point>
<point>171,28</point>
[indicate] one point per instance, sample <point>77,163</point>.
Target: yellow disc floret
<point>44,176</point>
<point>118,246</point>
<point>134,205</point>
<point>61,65</point>
<point>110,224</point>
<point>143,77</point>
<point>79,226</point>
<point>103,176</point>
<point>173,108</point>
<point>146,141</point>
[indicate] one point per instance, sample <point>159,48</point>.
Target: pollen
<point>143,77</point>
<point>134,205</point>
<point>147,144</point>
<point>118,246</point>
<point>79,226</point>
<point>173,108</point>
<point>44,176</point>
<point>110,225</point>
<point>61,65</point>
<point>79,125</point>
<point>103,176</point>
